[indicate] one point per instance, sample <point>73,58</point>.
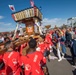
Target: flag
<point>12,8</point>
<point>32,3</point>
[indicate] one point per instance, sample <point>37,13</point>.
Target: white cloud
<point>8,24</point>
<point>46,21</point>
<point>5,24</point>
<point>1,23</point>
<point>6,27</point>
<point>55,21</point>
<point>1,17</point>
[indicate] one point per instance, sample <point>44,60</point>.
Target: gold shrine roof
<point>26,14</point>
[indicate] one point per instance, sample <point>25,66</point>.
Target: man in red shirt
<point>49,44</point>
<point>41,44</point>
<point>34,60</point>
<point>48,41</point>
<point>12,60</point>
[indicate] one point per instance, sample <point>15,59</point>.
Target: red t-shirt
<point>33,62</point>
<point>1,57</point>
<point>22,47</point>
<point>42,47</point>
<point>51,32</point>
<point>2,71</point>
<point>48,41</point>
<point>12,63</point>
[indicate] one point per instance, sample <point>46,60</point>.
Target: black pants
<point>73,56</point>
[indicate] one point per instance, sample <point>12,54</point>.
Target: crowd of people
<point>28,56</point>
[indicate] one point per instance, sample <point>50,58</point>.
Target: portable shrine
<point>28,17</point>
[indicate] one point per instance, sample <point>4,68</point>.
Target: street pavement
<point>63,67</point>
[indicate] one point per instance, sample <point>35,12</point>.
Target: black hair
<point>16,39</point>
<point>42,36</point>
<point>32,43</point>
<point>30,38</point>
<point>2,65</point>
<point>6,38</point>
<point>7,44</point>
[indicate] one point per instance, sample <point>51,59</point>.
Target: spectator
<point>68,37</point>
<point>73,50</point>
<point>1,37</point>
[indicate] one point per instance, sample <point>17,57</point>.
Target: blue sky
<point>55,12</point>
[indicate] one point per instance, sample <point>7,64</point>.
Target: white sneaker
<point>63,57</point>
<point>51,51</point>
<point>53,57</point>
<point>60,60</point>
<point>74,67</point>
